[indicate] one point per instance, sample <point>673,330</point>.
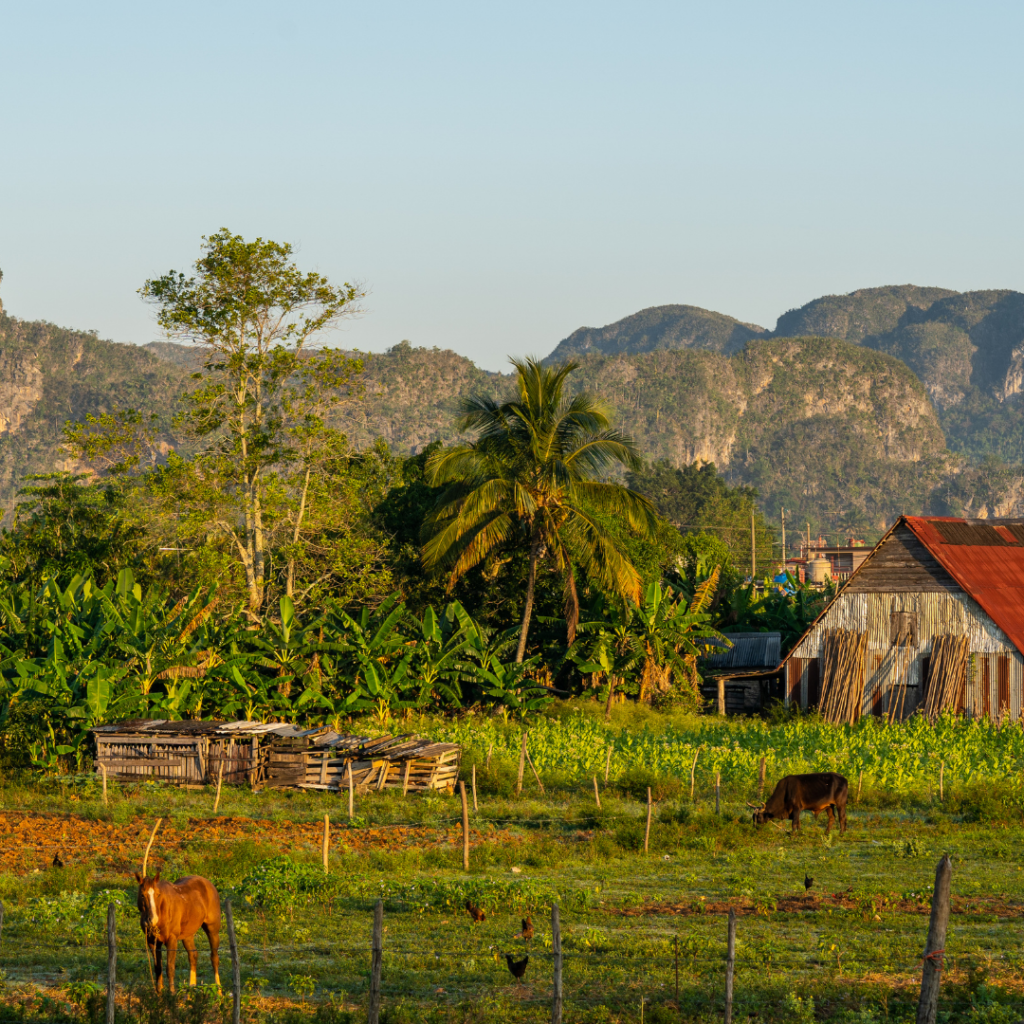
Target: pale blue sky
<point>501,174</point>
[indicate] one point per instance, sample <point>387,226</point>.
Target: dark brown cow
<point>170,912</point>
<point>795,793</point>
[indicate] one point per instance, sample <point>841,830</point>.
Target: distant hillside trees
<point>697,499</point>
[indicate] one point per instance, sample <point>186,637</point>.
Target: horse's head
<point>148,893</point>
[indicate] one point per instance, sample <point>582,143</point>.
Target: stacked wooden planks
<point>947,675</point>
<point>392,762</point>
<point>842,675</point>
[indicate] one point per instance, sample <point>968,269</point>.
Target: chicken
<point>808,881</point>
<point>57,862</point>
<point>475,912</point>
<point>527,933</point>
<point>517,967</point>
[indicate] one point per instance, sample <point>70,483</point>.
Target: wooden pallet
<point>406,762</point>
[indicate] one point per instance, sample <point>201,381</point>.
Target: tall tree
<point>532,477</point>
<point>258,405</point>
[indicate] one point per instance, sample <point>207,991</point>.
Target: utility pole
<point>808,540</point>
<point>753,549</point>
<point>783,540</point>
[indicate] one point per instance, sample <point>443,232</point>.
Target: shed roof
<point>986,558</point>
<point>749,650</point>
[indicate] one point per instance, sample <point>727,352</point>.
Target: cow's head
<point>761,814</point>
<point>147,902</point>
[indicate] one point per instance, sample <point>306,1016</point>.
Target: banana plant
<point>374,656</point>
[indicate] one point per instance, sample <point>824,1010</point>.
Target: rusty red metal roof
<point>986,557</point>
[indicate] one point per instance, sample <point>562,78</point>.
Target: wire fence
<point>553,972</point>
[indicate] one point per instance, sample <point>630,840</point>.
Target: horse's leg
<point>842,818</point>
<point>213,934</point>
<point>172,953</point>
<point>190,947</point>
<point>158,949</point>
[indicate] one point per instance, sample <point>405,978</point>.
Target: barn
<point>933,620</point>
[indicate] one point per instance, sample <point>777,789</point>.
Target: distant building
<point>844,559</point>
<point>930,583</point>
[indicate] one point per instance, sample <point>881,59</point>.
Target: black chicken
<point>57,862</point>
<point>517,967</point>
<point>808,882</point>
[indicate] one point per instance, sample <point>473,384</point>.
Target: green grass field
<point>847,950</point>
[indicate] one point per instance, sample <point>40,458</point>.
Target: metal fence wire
<point>382,973</point>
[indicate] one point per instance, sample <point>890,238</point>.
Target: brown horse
<point>169,911</point>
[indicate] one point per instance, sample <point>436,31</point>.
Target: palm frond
<point>705,593</point>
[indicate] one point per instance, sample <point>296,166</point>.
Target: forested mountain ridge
<point>51,374</point>
<point>967,348</point>
<point>846,430</point>
<point>660,328</point>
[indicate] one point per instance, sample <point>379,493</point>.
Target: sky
<point>497,175</point>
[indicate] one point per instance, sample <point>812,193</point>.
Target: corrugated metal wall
<point>996,687</point>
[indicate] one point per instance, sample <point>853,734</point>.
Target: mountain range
<point>854,408</point>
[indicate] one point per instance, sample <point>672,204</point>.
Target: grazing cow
<point>795,793</point>
<point>170,912</point>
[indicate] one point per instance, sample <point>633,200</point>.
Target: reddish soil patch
<point>29,841</point>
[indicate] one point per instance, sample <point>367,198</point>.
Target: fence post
<point>556,951</point>
<point>327,840</point>
<point>730,966</point>
<point>677,972</point>
<point>220,779</point>
<point>935,947</point>
<point>351,792</point>
<point>597,794</point>
<point>693,772</point>
<point>103,772</point>
<point>522,765</point>
<point>376,961</point>
<point>236,967</point>
<point>942,773</point>
<point>718,788</point>
<point>608,763</point>
<point>721,696</point>
<point>860,782</point>
<point>760,779</point>
<point>1,920</point>
<point>465,826</point>
<point>111,960</point>
<point>475,806</point>
<point>647,831</point>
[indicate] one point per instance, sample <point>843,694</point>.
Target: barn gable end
<point>902,564</point>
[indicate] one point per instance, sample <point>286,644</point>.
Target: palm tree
<point>532,477</point>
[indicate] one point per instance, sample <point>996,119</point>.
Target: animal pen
<point>274,756</point>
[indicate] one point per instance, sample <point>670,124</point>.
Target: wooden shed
<point>277,755</point>
<point>736,675</point>
<point>184,752</point>
<point>933,619</point>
